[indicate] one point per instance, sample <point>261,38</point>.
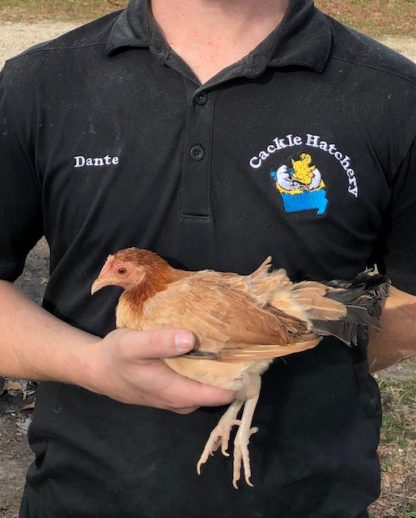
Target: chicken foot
<point>241,453</point>
<point>220,435</point>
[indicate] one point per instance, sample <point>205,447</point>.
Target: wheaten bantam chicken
<point>241,324</point>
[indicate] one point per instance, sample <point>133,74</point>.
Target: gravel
<point>16,37</point>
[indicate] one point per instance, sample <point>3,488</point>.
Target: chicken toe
<point>242,439</point>
<point>220,435</point>
<point>241,454</point>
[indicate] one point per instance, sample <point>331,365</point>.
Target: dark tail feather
<point>363,299</point>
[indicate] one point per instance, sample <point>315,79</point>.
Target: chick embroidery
<point>301,186</point>
<point>307,175</point>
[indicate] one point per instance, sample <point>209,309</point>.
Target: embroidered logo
<point>298,179</point>
<point>301,186</point>
<point>313,141</point>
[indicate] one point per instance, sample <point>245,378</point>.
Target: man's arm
<point>125,365</point>
<point>396,340</point>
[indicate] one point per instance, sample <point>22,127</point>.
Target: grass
<point>399,426</point>
<point>63,10</point>
<point>374,17</point>
<point>398,450</point>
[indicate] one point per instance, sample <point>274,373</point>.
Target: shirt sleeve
<point>400,240</point>
<point>20,192</point>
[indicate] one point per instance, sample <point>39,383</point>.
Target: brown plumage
<point>241,324</point>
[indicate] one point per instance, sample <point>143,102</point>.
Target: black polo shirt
<point>303,150</point>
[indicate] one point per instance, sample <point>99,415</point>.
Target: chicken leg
<point>220,435</point>
<point>245,431</point>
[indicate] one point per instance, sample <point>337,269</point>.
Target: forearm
<point>36,345</point>
<point>396,340</point>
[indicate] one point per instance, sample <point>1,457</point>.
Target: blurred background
<point>24,23</point>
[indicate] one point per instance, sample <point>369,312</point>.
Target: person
<point>162,126</point>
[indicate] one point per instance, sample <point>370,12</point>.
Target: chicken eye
<point>121,271</point>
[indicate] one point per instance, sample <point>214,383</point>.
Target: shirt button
<point>201,98</point>
<point>197,152</point>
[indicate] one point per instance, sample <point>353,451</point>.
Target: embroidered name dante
<point>82,161</point>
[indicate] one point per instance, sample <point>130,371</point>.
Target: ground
<point>398,448</point>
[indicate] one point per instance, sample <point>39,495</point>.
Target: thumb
<point>158,343</point>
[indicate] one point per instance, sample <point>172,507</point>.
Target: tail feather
<point>263,269</point>
<point>362,297</point>
<point>313,297</point>
<point>334,308</point>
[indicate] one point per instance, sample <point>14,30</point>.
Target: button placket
<point>197,163</point>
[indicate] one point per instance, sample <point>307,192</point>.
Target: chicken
<point>241,324</point>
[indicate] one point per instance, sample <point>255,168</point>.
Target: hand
<point>127,367</point>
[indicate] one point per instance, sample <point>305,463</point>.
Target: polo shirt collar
<point>303,38</point>
<point>131,28</point>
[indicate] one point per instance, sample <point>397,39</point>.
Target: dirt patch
<point>398,457</point>
<point>36,273</point>
<point>405,371</point>
<point>374,17</point>
<point>62,10</point>
<point>406,46</point>
<point>17,37</point>
<point>15,458</point>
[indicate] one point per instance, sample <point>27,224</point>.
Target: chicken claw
<point>241,454</point>
<point>220,435</point>
<point>241,441</point>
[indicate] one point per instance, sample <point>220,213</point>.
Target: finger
<point>158,343</point>
<point>195,394</point>
<point>185,411</point>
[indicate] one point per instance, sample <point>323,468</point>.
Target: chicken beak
<point>99,283</point>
